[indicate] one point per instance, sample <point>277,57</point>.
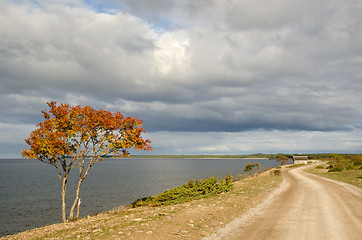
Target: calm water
<point>30,190</point>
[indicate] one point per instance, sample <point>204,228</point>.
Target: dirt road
<point>309,207</point>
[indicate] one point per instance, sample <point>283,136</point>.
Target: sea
<point>30,191</point>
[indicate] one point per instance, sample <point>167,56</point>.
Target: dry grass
<point>192,220</point>
<point>353,177</point>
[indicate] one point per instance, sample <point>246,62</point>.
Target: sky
<point>205,76</point>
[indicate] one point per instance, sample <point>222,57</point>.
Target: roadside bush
<point>350,167</point>
<point>320,167</point>
<point>336,169</point>
<point>277,172</point>
<point>357,161</point>
<point>187,192</point>
<point>339,163</point>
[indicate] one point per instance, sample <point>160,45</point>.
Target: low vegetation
<point>344,168</point>
<point>296,165</point>
<point>338,163</point>
<point>187,192</point>
<point>277,172</point>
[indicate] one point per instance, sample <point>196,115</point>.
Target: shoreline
<point>235,163</point>
<point>132,218</point>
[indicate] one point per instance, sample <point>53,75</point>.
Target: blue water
<point>30,192</point>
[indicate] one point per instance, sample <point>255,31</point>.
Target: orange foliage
<point>83,131</point>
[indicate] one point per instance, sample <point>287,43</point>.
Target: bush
<point>336,169</point>
<point>277,172</point>
<point>345,162</point>
<point>350,167</point>
<point>187,192</point>
<point>320,167</point>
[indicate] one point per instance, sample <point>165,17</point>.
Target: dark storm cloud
<point>245,114</point>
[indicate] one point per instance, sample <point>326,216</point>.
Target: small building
<point>300,159</point>
<point>304,160</point>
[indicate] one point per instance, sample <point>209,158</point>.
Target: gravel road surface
<point>306,207</point>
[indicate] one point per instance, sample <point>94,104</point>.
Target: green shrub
<point>187,192</point>
<point>345,162</point>
<point>336,169</point>
<point>320,167</point>
<point>350,167</point>
<point>277,172</point>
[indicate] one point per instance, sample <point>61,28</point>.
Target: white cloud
<point>172,53</point>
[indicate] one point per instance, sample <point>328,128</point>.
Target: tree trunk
<point>64,190</point>
<point>81,179</point>
<point>78,209</point>
<point>76,201</point>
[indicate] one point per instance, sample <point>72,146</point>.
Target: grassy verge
<point>295,165</point>
<point>188,192</point>
<point>353,177</point>
<point>191,220</point>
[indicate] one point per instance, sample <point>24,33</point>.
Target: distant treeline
<point>255,155</point>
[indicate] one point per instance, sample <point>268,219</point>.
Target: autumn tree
<point>282,160</point>
<point>78,137</point>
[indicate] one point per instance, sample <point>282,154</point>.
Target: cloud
<point>254,141</point>
<point>187,66</point>
<point>72,49</point>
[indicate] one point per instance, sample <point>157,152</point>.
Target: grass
<point>344,168</point>
<point>295,165</point>
<point>353,177</point>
